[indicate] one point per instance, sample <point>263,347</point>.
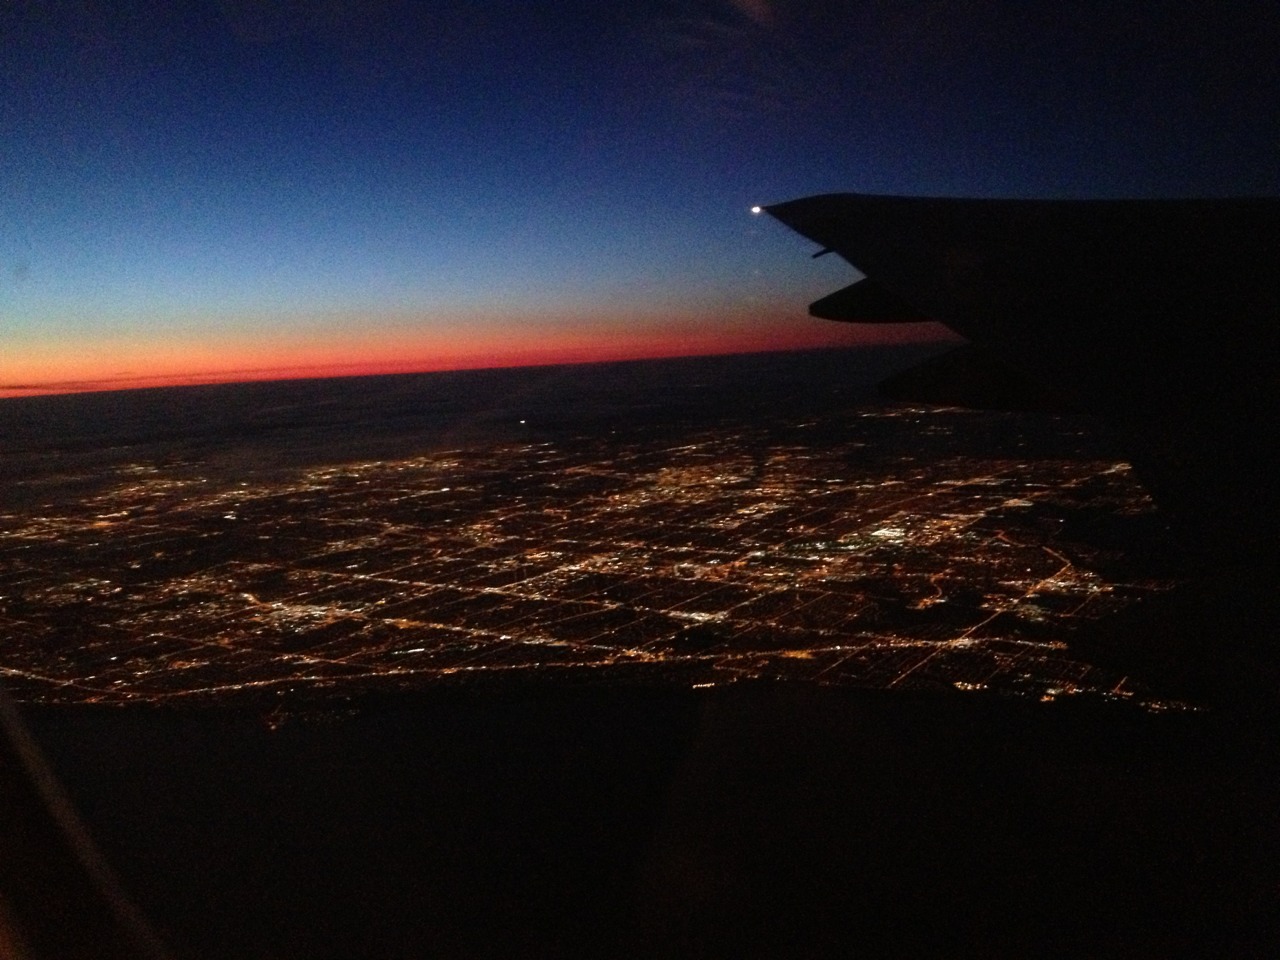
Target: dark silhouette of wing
<point>1160,316</point>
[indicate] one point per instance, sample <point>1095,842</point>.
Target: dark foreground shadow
<point>756,820</point>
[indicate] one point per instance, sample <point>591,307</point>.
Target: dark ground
<point>60,446</point>
<point>757,820</point>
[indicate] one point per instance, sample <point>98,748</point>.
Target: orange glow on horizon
<point>119,365</point>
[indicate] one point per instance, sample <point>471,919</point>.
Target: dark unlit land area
<point>755,820</point>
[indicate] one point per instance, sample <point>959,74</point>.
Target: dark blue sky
<point>198,189</point>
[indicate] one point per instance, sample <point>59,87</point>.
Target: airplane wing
<point>1160,316</point>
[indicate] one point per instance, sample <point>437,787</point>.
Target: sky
<point>202,192</point>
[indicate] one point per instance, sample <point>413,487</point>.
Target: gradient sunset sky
<point>194,192</point>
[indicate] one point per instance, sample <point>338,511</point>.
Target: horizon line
<point>125,383</point>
